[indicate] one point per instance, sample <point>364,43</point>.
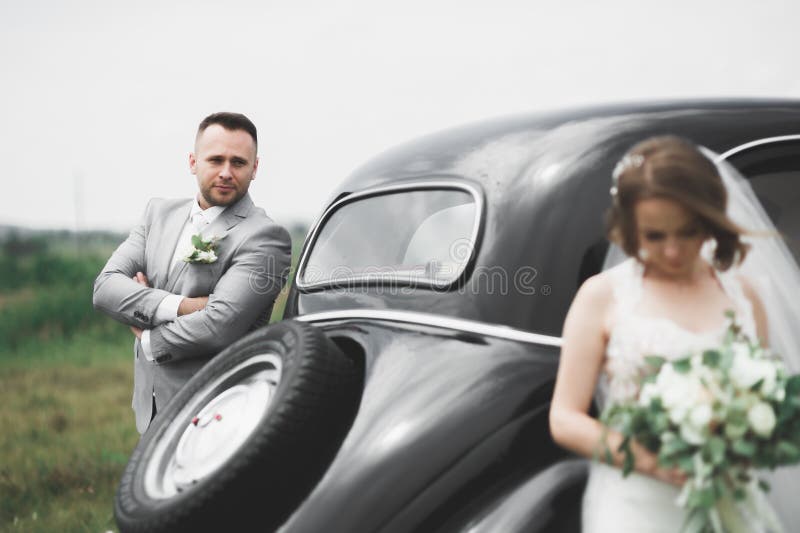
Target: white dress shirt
<point>167,310</point>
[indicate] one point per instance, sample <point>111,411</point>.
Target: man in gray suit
<point>185,307</point>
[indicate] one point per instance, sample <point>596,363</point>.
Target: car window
<point>773,171</point>
<point>412,236</point>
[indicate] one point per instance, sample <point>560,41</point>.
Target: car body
<point>460,352</point>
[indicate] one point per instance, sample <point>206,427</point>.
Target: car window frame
<point>758,144</point>
<point>437,182</point>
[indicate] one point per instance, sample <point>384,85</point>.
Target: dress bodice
<point>634,336</point>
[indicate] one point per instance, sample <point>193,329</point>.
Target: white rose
<point>741,349</point>
<point>762,419</point>
<point>769,373</point>
<point>646,395</point>
<point>679,392</point>
<point>692,434</point>
<point>187,252</point>
<point>779,394</point>
<point>700,415</point>
<point>745,371</point>
<point>207,257</point>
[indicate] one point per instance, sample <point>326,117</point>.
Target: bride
<point>668,297</point>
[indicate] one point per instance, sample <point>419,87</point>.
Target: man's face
<point>225,163</point>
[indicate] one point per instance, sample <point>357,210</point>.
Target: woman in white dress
<point>667,299</point>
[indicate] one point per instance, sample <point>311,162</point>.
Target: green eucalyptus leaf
<point>655,361</point>
<point>696,522</point>
<point>719,486</point>
<point>649,378</point>
<point>788,451</point>
<point>725,360</point>
<point>628,463</point>
<point>712,358</point>
<point>625,423</point>
<point>793,385</point>
<point>744,447</point>
<point>683,365</point>
<point>660,422</point>
<point>686,463</point>
<point>701,498</point>
<point>674,446</point>
<point>735,430</point>
<point>609,457</point>
<point>716,449</point>
<point>197,242</point>
<point>757,385</point>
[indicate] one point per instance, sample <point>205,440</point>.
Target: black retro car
<point>408,387</point>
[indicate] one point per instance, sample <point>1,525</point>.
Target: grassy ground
<point>67,431</point>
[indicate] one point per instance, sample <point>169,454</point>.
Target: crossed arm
<point>187,305</point>
<point>117,294</point>
<point>205,325</point>
<point>242,295</point>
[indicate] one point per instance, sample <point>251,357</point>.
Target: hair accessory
<point>628,161</point>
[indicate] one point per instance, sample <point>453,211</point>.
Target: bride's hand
<point>673,476</point>
<point>647,462</point>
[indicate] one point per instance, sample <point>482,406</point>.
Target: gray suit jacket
<point>252,266</point>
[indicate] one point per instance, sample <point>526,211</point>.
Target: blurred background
<point>100,101</point>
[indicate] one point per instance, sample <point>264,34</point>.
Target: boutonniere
<point>204,249</point>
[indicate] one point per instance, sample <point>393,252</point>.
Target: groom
<point>185,307</point>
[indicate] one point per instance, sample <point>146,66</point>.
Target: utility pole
<point>77,179</point>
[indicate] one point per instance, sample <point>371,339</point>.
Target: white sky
<point>107,94</point>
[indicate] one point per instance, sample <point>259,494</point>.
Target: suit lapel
<point>222,224</point>
<point>173,226</point>
<point>229,218</point>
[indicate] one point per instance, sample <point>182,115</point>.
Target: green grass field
<point>67,431</point>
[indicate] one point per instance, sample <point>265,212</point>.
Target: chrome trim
<point>425,319</point>
<point>759,142</point>
<point>412,184</point>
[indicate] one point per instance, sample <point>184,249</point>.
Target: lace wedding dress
<point>640,503</point>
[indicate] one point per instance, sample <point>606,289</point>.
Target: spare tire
<point>245,440</point>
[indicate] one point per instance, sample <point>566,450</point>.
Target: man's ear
<point>192,163</point>
<point>255,167</point>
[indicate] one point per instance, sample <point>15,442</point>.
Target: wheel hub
<point>213,426</point>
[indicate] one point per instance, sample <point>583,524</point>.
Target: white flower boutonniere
<point>204,249</point>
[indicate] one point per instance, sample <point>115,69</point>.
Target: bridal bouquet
<point>717,416</point>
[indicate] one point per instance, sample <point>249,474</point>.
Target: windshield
<point>412,236</point>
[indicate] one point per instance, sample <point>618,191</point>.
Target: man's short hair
<point>231,122</point>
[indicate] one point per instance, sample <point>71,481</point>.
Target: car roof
<point>545,177</point>
<point>715,123</point>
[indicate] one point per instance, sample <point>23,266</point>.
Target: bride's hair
<point>673,168</point>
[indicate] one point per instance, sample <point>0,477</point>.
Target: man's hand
<point>141,279</point>
<point>190,305</point>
